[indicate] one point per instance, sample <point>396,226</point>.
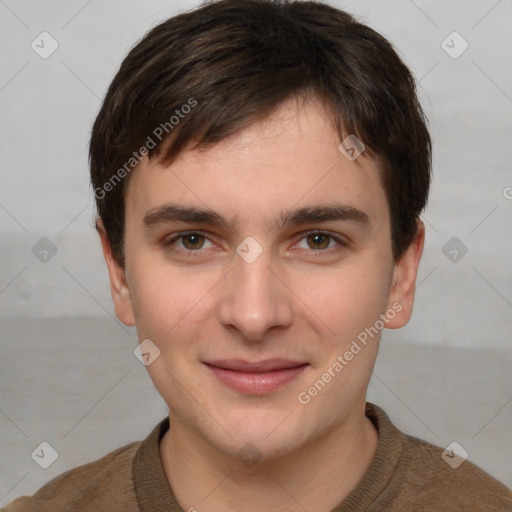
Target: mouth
<point>257,377</point>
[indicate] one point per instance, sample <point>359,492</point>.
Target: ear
<point>118,285</point>
<point>401,296</point>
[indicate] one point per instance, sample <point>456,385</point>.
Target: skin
<point>299,299</point>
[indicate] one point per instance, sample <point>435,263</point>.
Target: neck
<point>317,477</point>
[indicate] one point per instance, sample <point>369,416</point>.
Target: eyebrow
<point>171,212</point>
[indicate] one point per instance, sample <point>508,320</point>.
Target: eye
<point>192,241</point>
<point>321,241</point>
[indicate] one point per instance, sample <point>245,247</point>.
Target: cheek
<point>351,300</point>
<point>170,304</point>
<point>351,307</point>
<point>157,291</point>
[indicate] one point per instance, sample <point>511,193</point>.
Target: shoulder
<point>413,474</point>
<point>103,482</point>
<point>439,479</point>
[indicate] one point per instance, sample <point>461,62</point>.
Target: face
<point>262,278</point>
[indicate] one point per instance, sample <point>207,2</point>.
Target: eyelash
<point>187,252</point>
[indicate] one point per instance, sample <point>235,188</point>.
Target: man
<point>259,170</point>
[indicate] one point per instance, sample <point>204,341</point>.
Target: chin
<point>265,437</point>
<point>250,452</point>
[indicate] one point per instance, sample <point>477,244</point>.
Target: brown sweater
<point>406,475</point>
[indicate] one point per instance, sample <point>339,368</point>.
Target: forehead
<point>288,160</point>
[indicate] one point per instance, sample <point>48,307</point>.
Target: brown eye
<point>193,241</point>
<point>188,244</point>
<point>320,243</point>
<point>320,240</point>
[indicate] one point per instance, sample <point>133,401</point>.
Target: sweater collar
<point>387,469</point>
<point>389,462</point>
<point>151,486</point>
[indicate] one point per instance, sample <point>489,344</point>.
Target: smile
<point>256,378</point>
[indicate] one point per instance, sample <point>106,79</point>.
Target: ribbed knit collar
<point>382,479</point>
<point>375,490</point>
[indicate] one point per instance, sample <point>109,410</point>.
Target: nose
<point>255,297</point>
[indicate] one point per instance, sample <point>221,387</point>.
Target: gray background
<point>67,372</point>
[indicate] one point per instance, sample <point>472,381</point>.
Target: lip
<point>257,377</point>
<point>266,365</point>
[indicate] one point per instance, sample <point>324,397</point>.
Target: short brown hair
<point>231,63</point>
